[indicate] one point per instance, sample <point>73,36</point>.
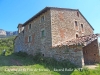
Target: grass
<point>23,64</point>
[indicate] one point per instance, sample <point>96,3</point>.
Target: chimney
<point>20,28</point>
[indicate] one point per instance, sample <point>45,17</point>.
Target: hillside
<point>7,44</point>
<point>4,33</point>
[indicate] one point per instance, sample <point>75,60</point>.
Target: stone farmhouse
<point>61,33</point>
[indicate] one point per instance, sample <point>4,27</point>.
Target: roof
<point>44,10</point>
<point>83,40</point>
<point>48,8</point>
<point>19,25</point>
<point>39,13</point>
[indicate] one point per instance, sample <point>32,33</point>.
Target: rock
<point>10,33</point>
<point>2,32</point>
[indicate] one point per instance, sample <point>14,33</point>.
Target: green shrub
<point>21,54</point>
<point>7,44</point>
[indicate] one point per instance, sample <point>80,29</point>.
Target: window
<point>29,38</point>
<point>42,33</point>
<point>42,18</point>
<point>78,14</point>
<point>76,35</point>
<point>76,25</point>
<point>82,27</point>
<point>29,27</point>
<point>43,54</point>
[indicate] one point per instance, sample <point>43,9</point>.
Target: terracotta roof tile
<point>83,40</point>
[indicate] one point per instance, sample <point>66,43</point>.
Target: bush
<point>22,54</point>
<point>51,62</point>
<point>7,44</point>
<point>38,57</point>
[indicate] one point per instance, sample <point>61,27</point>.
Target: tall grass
<point>40,63</point>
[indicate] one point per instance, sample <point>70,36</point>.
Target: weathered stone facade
<point>91,53</point>
<point>63,25</point>
<point>50,27</point>
<point>66,53</point>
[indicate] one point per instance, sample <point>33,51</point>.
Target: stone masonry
<point>52,26</point>
<point>63,25</point>
<point>91,53</point>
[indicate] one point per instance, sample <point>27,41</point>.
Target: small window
<point>29,38</point>
<point>78,14</point>
<point>82,26</point>
<point>95,45</point>
<point>42,18</point>
<point>42,33</point>
<point>43,54</point>
<point>29,27</point>
<point>76,35</point>
<point>76,23</point>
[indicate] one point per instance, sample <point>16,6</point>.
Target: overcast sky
<point>13,12</point>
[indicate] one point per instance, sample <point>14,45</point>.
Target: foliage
<point>22,64</point>
<point>7,44</point>
<point>21,54</point>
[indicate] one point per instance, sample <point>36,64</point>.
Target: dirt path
<point>91,66</point>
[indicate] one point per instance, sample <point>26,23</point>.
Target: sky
<point>13,12</point>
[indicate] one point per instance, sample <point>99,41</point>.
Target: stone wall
<point>65,53</point>
<point>38,43</point>
<point>91,53</point>
<point>63,25</point>
<point>19,43</point>
<point>59,25</point>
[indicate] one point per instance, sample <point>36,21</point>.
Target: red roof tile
<point>83,40</point>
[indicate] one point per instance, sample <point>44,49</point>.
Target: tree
<point>7,44</point>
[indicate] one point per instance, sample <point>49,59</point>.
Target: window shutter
<point>26,39</point>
